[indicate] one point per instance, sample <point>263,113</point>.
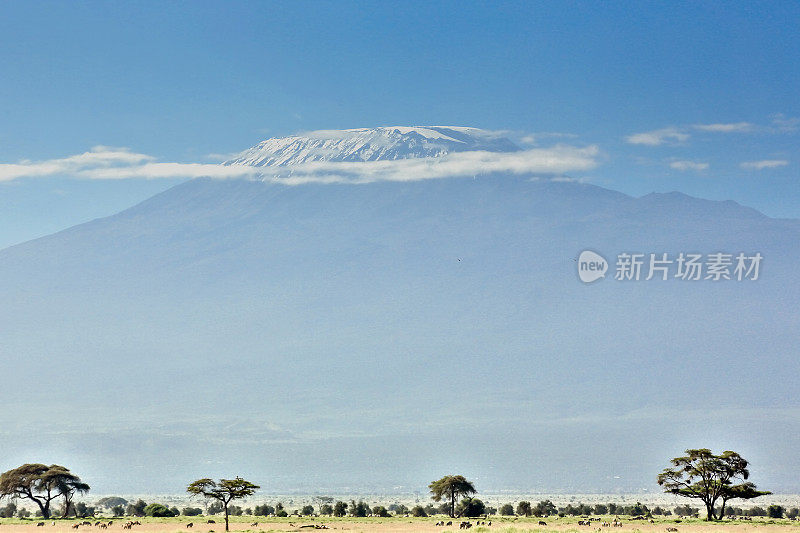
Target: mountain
<point>371,336</point>
<point>371,144</point>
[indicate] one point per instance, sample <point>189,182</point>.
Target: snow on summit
<point>371,144</point>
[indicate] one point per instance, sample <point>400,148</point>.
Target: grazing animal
<point>210,522</point>
<point>75,526</point>
<point>40,524</point>
<point>190,524</point>
<point>254,524</point>
<point>542,523</point>
<point>450,523</point>
<point>672,529</point>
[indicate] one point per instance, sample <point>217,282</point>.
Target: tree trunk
<point>45,510</point>
<point>225,505</point>
<point>710,512</point>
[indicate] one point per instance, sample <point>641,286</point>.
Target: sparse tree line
<point>713,479</point>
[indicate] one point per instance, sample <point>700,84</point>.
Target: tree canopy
<point>42,484</point>
<point>451,488</point>
<point>710,478</point>
<point>223,491</point>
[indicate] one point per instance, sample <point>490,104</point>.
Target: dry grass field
<point>398,524</point>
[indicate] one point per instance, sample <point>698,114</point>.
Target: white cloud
<point>764,163</point>
<point>658,137</point>
<point>734,127</point>
<point>532,139</point>
<point>98,157</point>
<point>783,124</point>
<point>555,160</point>
<point>119,163</point>
<point>684,166</point>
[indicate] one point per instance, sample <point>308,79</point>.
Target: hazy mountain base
<point>368,337</point>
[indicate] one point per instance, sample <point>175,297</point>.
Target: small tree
<point>545,508</point>
<point>109,502</point>
<point>307,510</point>
<point>118,511</point>
<point>326,509</point>
<point>451,488</point>
<point>223,491</point>
<point>708,477</point>
<point>418,512</point>
<point>381,511</point>
<point>136,509</point>
<point>507,510</point>
<point>471,507</point>
<point>775,511</point>
<point>524,508</point>
<point>8,511</point>
<point>359,509</point>
<point>339,509</point>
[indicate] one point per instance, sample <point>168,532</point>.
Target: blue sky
<point>696,97</point>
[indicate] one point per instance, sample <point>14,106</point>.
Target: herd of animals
<point>461,525</point>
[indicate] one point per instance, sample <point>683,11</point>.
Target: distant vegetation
<point>712,479</point>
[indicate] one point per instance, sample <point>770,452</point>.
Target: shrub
<point>472,507</point>
<point>157,510</point>
<point>418,512</point>
<point>307,510</point>
<point>507,510</point>
<point>524,508</point>
<point>263,510</point>
<point>380,510</point>
<point>192,511</point>
<point>775,511</point>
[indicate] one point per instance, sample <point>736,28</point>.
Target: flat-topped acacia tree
<point>224,491</point>
<point>709,477</point>
<point>42,484</point>
<point>451,488</point>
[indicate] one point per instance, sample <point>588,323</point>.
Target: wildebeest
<point>210,522</point>
<point>672,529</point>
<point>190,524</point>
<point>542,523</point>
<point>40,524</point>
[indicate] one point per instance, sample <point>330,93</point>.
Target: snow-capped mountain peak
<point>371,144</point>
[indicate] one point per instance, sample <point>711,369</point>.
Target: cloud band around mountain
<point>107,163</point>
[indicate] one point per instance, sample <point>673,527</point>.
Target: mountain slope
<point>321,335</point>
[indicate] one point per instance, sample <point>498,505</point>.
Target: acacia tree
<point>224,491</point>
<point>42,484</point>
<point>708,477</point>
<point>451,488</point>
